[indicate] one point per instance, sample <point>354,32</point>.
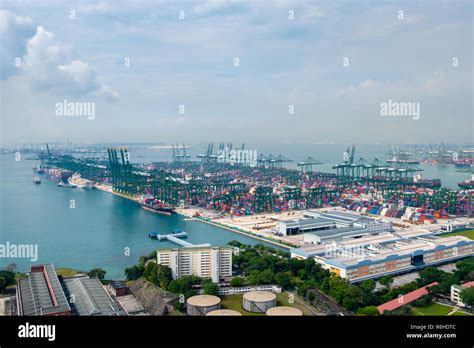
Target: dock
<point>174,237</point>
<point>176,240</point>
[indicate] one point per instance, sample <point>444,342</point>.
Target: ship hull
<point>161,211</point>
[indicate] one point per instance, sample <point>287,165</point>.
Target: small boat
<point>37,180</point>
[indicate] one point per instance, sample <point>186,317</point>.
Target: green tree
<point>3,284</point>
<point>367,286</point>
<point>179,306</point>
<point>311,296</point>
<point>237,282</point>
<point>369,311</point>
<point>9,277</point>
<point>184,285</point>
<point>467,296</point>
<point>266,277</point>
<point>386,280</point>
<point>133,272</point>
<point>210,288</point>
<point>97,272</point>
<point>429,275</point>
<point>284,280</point>
<point>164,276</point>
<point>151,273</point>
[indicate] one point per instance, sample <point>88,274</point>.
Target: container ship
<point>402,157</point>
<point>467,184</point>
<point>156,206</point>
<point>464,164</point>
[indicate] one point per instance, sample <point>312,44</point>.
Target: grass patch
<point>234,302</point>
<point>467,233</point>
<point>66,272</point>
<point>433,309</point>
<point>283,300</point>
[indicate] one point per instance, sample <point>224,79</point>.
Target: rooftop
<point>41,293</point>
<point>203,300</point>
<point>259,296</point>
<point>224,312</point>
<point>90,297</point>
<point>284,311</point>
<point>405,299</point>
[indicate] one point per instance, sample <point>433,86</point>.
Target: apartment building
<point>204,262</point>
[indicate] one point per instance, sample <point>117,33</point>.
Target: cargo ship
<point>398,155</point>
<point>467,184</point>
<point>39,169</point>
<point>154,205</point>
<point>463,164</point>
<point>66,184</point>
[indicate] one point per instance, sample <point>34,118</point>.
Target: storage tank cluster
<point>202,304</point>
<point>258,301</point>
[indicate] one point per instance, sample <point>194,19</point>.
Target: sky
<point>273,71</point>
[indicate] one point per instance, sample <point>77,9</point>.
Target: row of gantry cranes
<point>220,181</point>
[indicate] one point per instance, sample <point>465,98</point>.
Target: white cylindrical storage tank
<point>259,301</point>
<point>284,311</point>
<point>202,304</point>
<point>223,312</point>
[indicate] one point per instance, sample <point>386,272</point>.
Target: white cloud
<point>47,64</point>
<point>14,33</point>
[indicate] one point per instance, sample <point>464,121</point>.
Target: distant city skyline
<point>237,71</point>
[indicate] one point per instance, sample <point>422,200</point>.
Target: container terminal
<point>386,209</point>
<point>237,185</point>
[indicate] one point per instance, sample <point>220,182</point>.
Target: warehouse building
<point>332,224</point>
<point>205,262</point>
<point>90,298</point>
<point>41,293</point>
<point>371,256</point>
<point>44,293</point>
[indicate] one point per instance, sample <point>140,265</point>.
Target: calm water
<point>99,228</point>
<point>93,234</point>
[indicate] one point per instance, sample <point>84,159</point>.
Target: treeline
<point>259,264</point>
<point>263,265</point>
<point>7,277</point>
<point>161,276</point>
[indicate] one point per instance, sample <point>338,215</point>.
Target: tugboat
<point>37,180</point>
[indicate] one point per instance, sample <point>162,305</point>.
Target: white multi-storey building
<point>204,262</point>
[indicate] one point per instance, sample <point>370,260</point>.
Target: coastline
<point>108,189</point>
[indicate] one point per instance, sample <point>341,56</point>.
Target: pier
<point>174,237</point>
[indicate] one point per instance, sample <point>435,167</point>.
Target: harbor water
<point>86,229</point>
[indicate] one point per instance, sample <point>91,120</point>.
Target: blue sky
<point>283,62</point>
